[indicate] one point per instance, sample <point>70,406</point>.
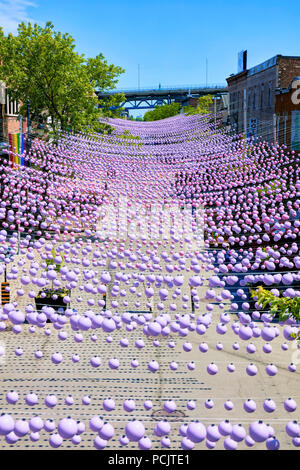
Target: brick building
<point>253,98</point>
<point>287,110</point>
<point>10,124</point>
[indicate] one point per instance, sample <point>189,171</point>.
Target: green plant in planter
<point>61,292</point>
<point>50,262</point>
<point>284,307</point>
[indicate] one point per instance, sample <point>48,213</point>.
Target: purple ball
<point>31,399</point>
<point>230,444</point>
<point>86,400</point>
<point>196,432</point>
<point>153,366</point>
<point>293,429</point>
<point>55,440</point>
<point>129,405</point>
<point>251,348</point>
<point>165,442</point>
<point>21,427</point>
<point>36,424</point>
<point>106,432</point>
<point>203,347</point>
<point>271,370</point>
<point>145,443</point>
<point>148,405</point>
<point>238,433</point>
<point>96,423</point>
<point>272,443</point>
<point>259,432</point>
<point>231,367</point>
<point>67,428</point>
<point>245,332</point>
<point>187,444</point>
<point>269,405</point>
<point>162,428</point>
<point>49,425</point>
<point>249,406</point>
<point>225,428</point>
<point>51,401</point>
<point>267,348</point>
<point>56,358</point>
<point>249,441</point>
<point>135,430</point>
<point>34,436</point>
<point>183,430</point>
<point>212,433</point>
<point>228,405</point>
<point>209,404</point>
<point>95,361</point>
<point>296,441</point>
<point>212,368</point>
<point>109,404</point>
<point>290,405</point>
<point>100,443</point>
<point>12,397</point>
<point>170,406</point>
<point>191,405</point>
<point>251,369</point>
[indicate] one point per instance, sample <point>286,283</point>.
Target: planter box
<point>48,301</point>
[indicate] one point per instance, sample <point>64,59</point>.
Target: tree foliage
<point>282,307</point>
<point>162,112</point>
<point>41,65</point>
<point>202,107</point>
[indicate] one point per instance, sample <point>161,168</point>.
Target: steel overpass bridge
<point>149,98</point>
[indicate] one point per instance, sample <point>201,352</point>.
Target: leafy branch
<point>283,307</point>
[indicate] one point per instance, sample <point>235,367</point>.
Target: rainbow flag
<point>16,149</point>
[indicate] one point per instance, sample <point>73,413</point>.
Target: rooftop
<point>264,65</point>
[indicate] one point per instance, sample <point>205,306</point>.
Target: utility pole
<point>28,138</point>
<point>206,71</point>
<point>274,127</point>
<point>245,112</point>
<point>285,119</point>
<point>215,106</point>
<point>138,76</point>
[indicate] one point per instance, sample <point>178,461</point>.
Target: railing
<point>169,88</point>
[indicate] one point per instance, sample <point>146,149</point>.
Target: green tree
<point>42,66</point>
<point>202,107</point>
<point>162,112</point>
<point>282,307</point>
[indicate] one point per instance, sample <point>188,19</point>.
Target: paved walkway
<point>25,374</point>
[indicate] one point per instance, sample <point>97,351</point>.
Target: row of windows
<point>257,97</point>
<point>11,106</point>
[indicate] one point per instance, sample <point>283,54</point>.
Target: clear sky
<point>169,39</point>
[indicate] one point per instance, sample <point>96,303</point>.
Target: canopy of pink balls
<point>242,199</point>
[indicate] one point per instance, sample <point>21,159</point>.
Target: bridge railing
<point>169,88</point>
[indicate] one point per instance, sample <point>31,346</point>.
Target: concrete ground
<point>27,374</point>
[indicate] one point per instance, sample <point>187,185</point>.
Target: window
<point>269,94</point>
<point>254,98</point>
<point>262,91</point>
<point>11,106</point>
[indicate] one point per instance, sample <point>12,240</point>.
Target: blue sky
<point>169,39</point>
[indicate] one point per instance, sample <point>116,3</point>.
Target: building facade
<point>10,124</point>
<point>287,110</point>
<point>253,98</point>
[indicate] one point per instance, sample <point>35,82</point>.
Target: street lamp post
<point>28,139</point>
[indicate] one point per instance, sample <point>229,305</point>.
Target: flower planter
<point>48,301</point>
